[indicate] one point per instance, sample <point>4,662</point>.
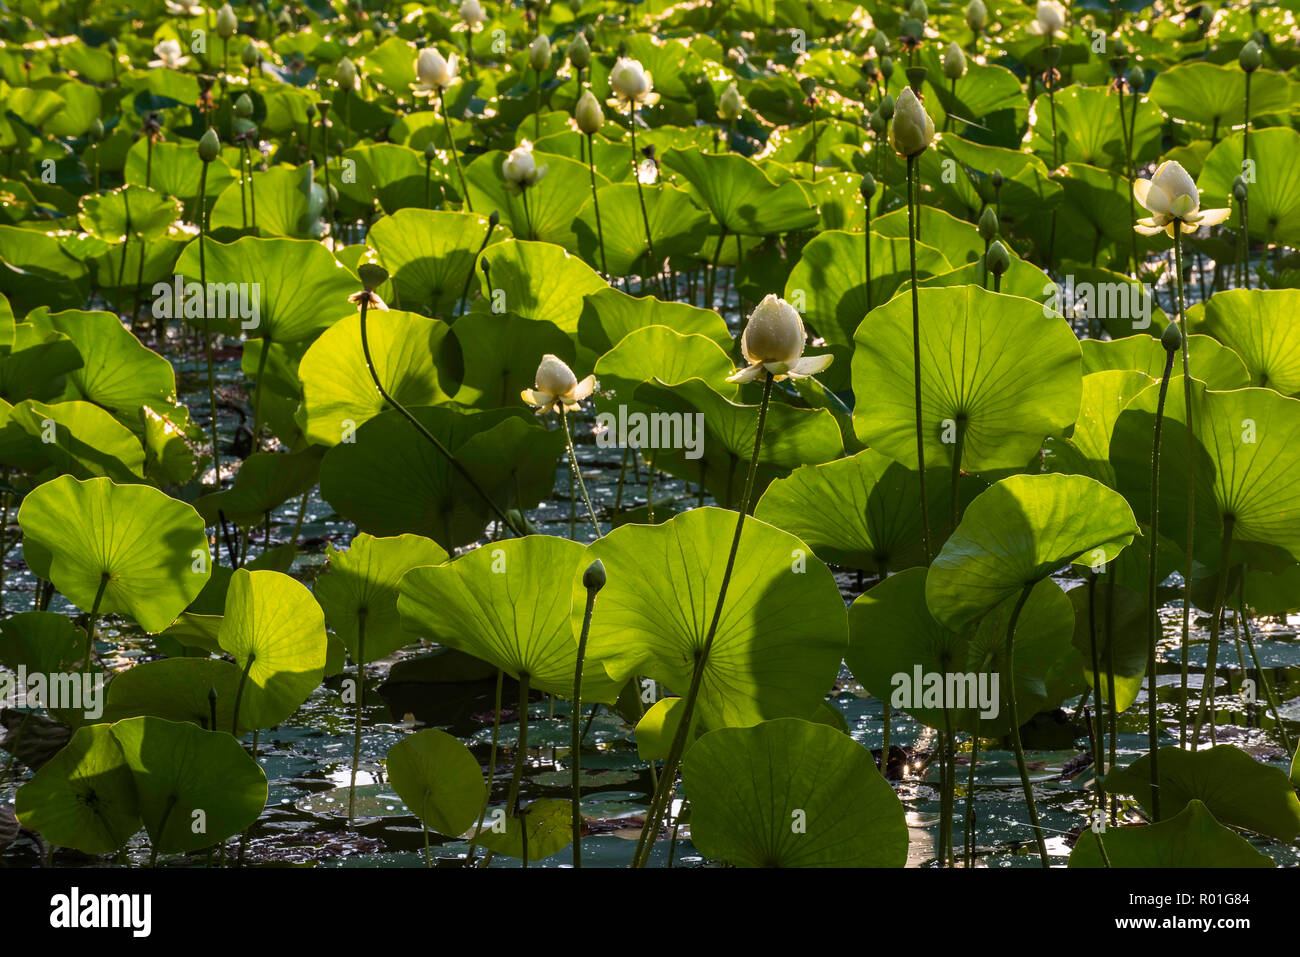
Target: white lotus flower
<point>773,341</point>
<point>520,169</point>
<point>1051,19</point>
<point>631,84</point>
<point>184,9</point>
<point>434,73</point>
<point>556,387</point>
<point>1171,197</point>
<point>169,55</point>
<point>472,13</point>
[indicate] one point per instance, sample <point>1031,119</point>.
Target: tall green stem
<point>1269,694</point>
<point>521,748</point>
<point>595,204</point>
<point>1098,751</point>
<point>207,332</point>
<point>1010,673</point>
<point>492,768</point>
<point>1212,656</point>
<point>576,472</point>
<point>667,778</point>
<point>90,624</point>
<point>1152,612</point>
<point>575,754</point>
<point>912,215</point>
<point>640,195</point>
<point>1191,483</point>
<point>361,704</point>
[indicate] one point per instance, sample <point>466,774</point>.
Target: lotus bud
<point>997,179</point>
<point>433,72</point>
<point>1239,190</point>
<point>209,146</point>
<point>1204,15</point>
<point>880,43</point>
<point>808,84</point>
<point>773,343</point>
<point>630,81</point>
<point>886,107</point>
<point>520,169</point>
<point>430,152</point>
<point>913,130</point>
<point>112,45</point>
<point>916,78</point>
<point>555,376</point>
<point>96,131</point>
<point>954,62</point>
<point>311,111</point>
<point>593,579</point>
<point>346,74</point>
<point>1250,58</point>
<point>918,11</point>
<point>580,52</point>
<point>1118,64</point>
<point>886,67</point>
<point>977,16</point>
<point>372,275</point>
<point>494,220</point>
<point>588,114</point>
<point>243,106</point>
<point>1137,78</point>
<point>539,53</point>
<point>227,22</point>
<point>997,259</point>
<point>988,224</point>
<point>868,187</point>
<point>878,123</point>
<point>1172,338</point>
<point>472,12</point>
<point>249,56</point>
<point>730,105</point>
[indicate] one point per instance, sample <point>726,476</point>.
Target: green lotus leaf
<point>1088,130</point>
<point>439,779</point>
<point>1190,838</point>
<point>550,830</point>
<point>1023,279</point>
<point>359,588</point>
<point>1128,644</point>
<point>1213,95</point>
<point>127,213</point>
<point>196,788</point>
<point>1237,789</point>
<point>553,204</point>
<point>392,481</point>
<point>147,551</point>
<point>78,438</point>
<point>790,793</point>
<point>1258,326</point>
<point>168,456</point>
<point>892,635</point>
<point>338,393</point>
<point>994,366</point>
<point>1105,395</point>
<point>430,255</point>
<point>390,65</point>
<point>658,352</point>
<point>1019,531</point>
<point>1099,206</point>
<point>657,728</point>
<point>830,279</point>
<point>500,355</point>
<point>720,458</point>
<point>677,227</point>
<point>389,174</point>
<point>84,797</point>
<point>1274,197</point>
<point>45,642</point>
<point>37,363</point>
<point>861,512</point>
<point>284,202</point>
<point>780,636</point>
<point>513,605</point>
<point>35,270</point>
<point>1215,365</point>
<point>958,239</point>
<point>275,631</point>
<point>740,195</point>
<point>610,314</point>
<point>538,281</point>
<point>175,171</point>
<point>301,288</point>
<point>1027,188</point>
<point>265,481</point>
<point>1246,447</point>
<point>178,689</point>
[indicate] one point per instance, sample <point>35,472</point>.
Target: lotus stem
<point>576,472</point>
<point>428,436</point>
<point>1269,694</point>
<point>528,214</point>
<point>640,194</point>
<point>668,777</point>
<point>575,717</point>
<point>257,391</point>
<point>969,835</point>
<point>492,768</point>
<point>1152,615</point>
<point>1191,481</point>
<point>1098,755</point>
<point>1015,725</point>
<point>1212,657</point>
<point>912,216</point>
<point>93,620</point>
<point>595,203</point>
<point>1112,757</point>
<point>947,789</point>
<point>954,504</point>
<point>361,703</point>
<point>239,693</point>
<point>487,238</point>
<point>521,748</point>
<point>455,155</point>
<point>207,332</point>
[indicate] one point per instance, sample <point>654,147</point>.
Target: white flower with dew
<point>1051,19</point>
<point>631,84</point>
<point>520,169</point>
<point>1171,197</point>
<point>434,73</point>
<point>555,387</point>
<point>169,55</point>
<point>472,13</point>
<point>773,341</point>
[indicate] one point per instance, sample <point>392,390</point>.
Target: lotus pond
<point>606,434</point>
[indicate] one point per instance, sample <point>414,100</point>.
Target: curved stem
<point>668,777</point>
<point>575,755</point>
<point>1015,725</point>
<point>577,473</point>
<point>521,748</point>
<point>912,216</point>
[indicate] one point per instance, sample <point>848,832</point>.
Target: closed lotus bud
<point>868,187</point>
<point>227,22</point>
<point>249,56</point>
<point>96,132</point>
<point>886,67</point>
<point>1250,58</point>
<point>954,62</point>
<point>1172,338</point>
<point>880,43</point>
<point>472,12</point>
<point>311,111</point>
<point>243,106</point>
<point>112,45</point>
<point>580,52</point>
<point>997,179</point>
<point>430,152</point>
<point>554,376</point>
<point>1239,190</point>
<point>520,169</point>
<point>997,259</point>
<point>878,123</point>
<point>918,11</point>
<point>1118,64</point>
<point>886,108</point>
<point>588,114</point>
<point>730,105</point>
<point>372,275</point>
<point>988,223</point>
<point>593,579</point>
<point>346,74</point>
<point>539,53</point>
<point>774,332</point>
<point>629,79</point>
<point>913,130</point>
<point>977,16</point>
<point>433,71</point>
<point>493,221</point>
<point>1137,78</point>
<point>209,146</point>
